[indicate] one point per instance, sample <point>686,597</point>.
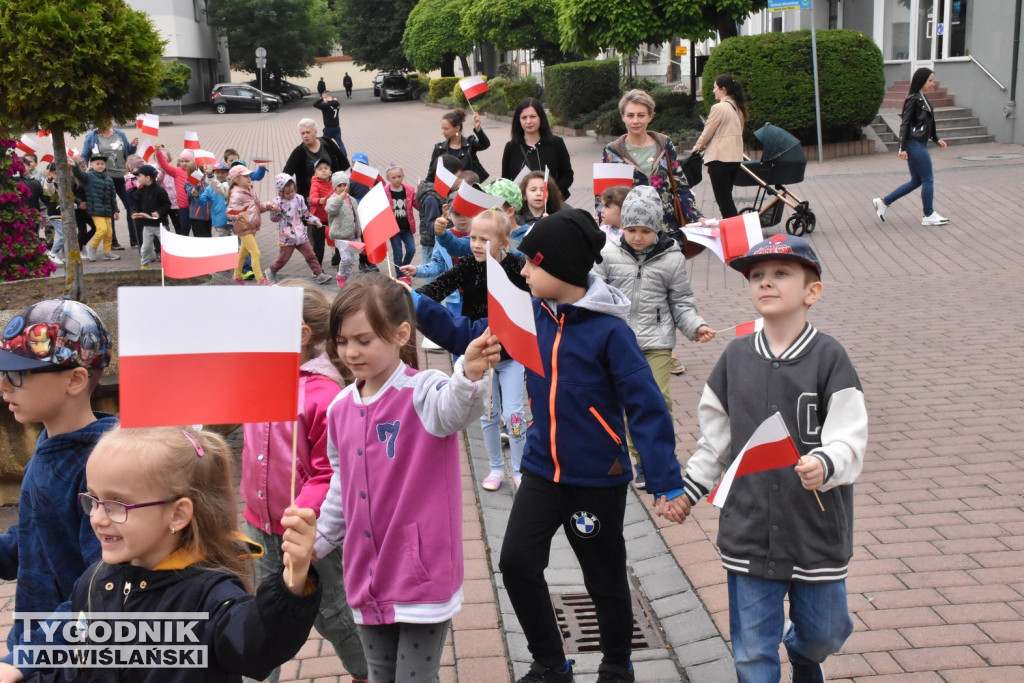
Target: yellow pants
<point>104,232</point>
<point>660,361</point>
<point>249,248</point>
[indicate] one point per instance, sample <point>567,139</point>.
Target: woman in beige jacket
<point>722,141</point>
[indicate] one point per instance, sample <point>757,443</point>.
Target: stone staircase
<point>956,125</point>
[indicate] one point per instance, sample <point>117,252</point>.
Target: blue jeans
<point>820,616</point>
<point>58,240</point>
<point>426,253</point>
<point>334,132</point>
<point>920,163</point>
<point>507,383</point>
<point>403,238</point>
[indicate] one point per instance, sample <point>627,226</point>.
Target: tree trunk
<point>466,71</point>
<point>726,26</point>
<point>448,65</point>
<point>65,185</point>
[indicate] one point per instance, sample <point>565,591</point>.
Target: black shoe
<point>608,673</point>
<point>639,480</point>
<point>336,259</point>
<point>541,674</point>
<point>117,247</point>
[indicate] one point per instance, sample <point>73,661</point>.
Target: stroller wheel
<point>809,223</point>
<point>798,225</point>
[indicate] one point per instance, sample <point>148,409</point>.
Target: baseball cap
<point>221,166</point>
<point>58,332</point>
<point>238,170</point>
<point>778,248</point>
<point>361,158</point>
<point>507,190</point>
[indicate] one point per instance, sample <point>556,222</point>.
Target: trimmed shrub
<point>577,88</point>
<point>442,87</point>
<point>776,72</point>
<point>420,84</point>
<point>518,91</point>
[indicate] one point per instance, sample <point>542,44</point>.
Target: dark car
<point>281,93</point>
<point>241,97</point>
<point>377,81</point>
<point>395,87</point>
<point>299,90</point>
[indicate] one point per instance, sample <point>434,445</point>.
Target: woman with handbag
<point>722,141</point>
<point>916,128</point>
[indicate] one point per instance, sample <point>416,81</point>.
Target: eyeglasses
<point>116,512</point>
<point>17,377</point>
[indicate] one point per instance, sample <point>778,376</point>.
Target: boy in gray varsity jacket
<point>775,538</point>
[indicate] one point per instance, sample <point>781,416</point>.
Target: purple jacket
<point>267,452</point>
<point>397,487</point>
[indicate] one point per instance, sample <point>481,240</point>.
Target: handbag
<point>693,168</point>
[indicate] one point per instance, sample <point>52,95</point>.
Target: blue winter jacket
<point>218,206</point>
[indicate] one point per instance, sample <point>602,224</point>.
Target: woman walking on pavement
<point>722,141</point>
<point>916,128</point>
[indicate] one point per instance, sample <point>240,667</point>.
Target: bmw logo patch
<point>585,524</point>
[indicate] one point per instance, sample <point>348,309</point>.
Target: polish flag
<point>769,447</point>
<point>510,317</point>
<point>46,158</point>
<point>150,124</point>
<point>139,118</point>
<point>470,201</point>
<point>546,176</point>
<point>260,160</point>
<point>199,355</point>
<point>752,327</point>
<point>43,132</point>
<point>378,221</point>
<point>444,180</point>
<point>612,175</point>
<point>364,175</point>
<point>74,153</point>
<point>191,139</point>
<point>739,234</point>
<point>204,158</point>
<point>195,178</point>
<point>146,151</point>
<point>473,86</point>
<point>26,146</point>
<point>185,257</point>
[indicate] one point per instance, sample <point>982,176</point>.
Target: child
<point>611,211</point>
<point>216,196</point>
<point>266,479</point>
<point>344,222</point>
<point>536,202</point>
<point>290,214</point>
<point>171,544</point>
<point>649,268</point>
<point>431,204</point>
<point>512,201</point>
<point>51,199</point>
<point>576,469</point>
<point>52,355</point>
<point>181,192</point>
<point>200,217</point>
<point>152,208</point>
<point>391,432</point>
<point>774,538</point>
<point>470,276</point>
<point>232,157</point>
<point>404,204</point>
<point>100,205</point>
<point>244,209</point>
<point>320,190</point>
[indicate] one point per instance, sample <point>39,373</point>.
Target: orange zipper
<point>607,428</point>
<point>551,395</point>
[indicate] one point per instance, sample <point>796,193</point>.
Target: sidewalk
<point>932,318</point>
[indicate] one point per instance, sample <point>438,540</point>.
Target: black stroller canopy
<point>779,146</point>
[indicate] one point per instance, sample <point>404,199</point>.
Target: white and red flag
<point>150,124</point>
<point>510,317</point>
<point>473,86</point>
<point>185,257</point>
<point>27,146</point>
<point>444,180</point>
<point>204,158</point>
<point>770,447</point>
<point>729,238</point>
<point>195,177</point>
<point>470,201</point>
<point>139,119</point>
<point>47,158</point>
<point>74,153</point>
<point>612,175</point>
<point>209,355</point>
<point>751,327</point>
<point>523,172</point>
<point>191,139</point>
<point>378,221</point>
<point>364,175</point>
<point>146,151</point>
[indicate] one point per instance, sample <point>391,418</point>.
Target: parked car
<point>284,94</point>
<point>377,81</point>
<point>241,97</point>
<point>302,90</point>
<point>395,87</point>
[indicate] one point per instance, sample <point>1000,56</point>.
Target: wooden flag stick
<point>819,500</point>
<point>391,271</point>
<point>295,454</point>
<point>490,394</point>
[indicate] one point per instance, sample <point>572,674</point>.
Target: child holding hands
<point>344,222</point>
<point>244,209</point>
<point>290,214</point>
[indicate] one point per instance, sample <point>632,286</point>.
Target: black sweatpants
<point>723,175</point>
<point>592,520</point>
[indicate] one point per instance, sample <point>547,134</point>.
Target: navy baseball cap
<point>58,332</point>
<point>778,248</point>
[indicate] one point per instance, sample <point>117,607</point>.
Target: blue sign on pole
<point>781,5</point>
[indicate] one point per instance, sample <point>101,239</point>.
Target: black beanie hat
<point>566,244</point>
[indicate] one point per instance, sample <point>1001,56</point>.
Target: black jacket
<point>551,154</point>
<point>918,120</point>
<point>296,165</point>
<point>150,199</point>
<point>329,110</point>
<point>467,154</point>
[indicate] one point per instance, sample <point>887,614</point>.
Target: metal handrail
<point>988,73</point>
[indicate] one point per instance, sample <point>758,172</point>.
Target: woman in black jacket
<point>463,148</point>
<point>916,128</point>
<point>533,146</point>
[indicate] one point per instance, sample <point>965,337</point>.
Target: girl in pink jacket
<point>397,486</point>
<point>266,479</point>
<point>244,209</point>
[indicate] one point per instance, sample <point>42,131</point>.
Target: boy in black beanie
<point>576,467</point>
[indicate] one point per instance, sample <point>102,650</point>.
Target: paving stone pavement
<point>932,318</point>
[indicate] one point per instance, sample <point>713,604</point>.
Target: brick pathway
<point>932,318</point>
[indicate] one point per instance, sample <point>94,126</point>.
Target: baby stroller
<point>782,161</point>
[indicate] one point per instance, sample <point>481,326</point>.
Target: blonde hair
<point>501,222</point>
<point>638,96</point>
<point>307,123</point>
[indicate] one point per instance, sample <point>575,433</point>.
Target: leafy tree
<point>517,25</point>
<point>294,33</point>
<point>380,45</point>
<point>433,37</point>
<point>176,80</point>
<point>68,65</point>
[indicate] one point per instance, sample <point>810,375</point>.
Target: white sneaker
<point>57,261</point>
<point>269,274</point>
<point>111,256</point>
<point>323,278</point>
<point>934,219</point>
<point>88,254</point>
<point>880,208</point>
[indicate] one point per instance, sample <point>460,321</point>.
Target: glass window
<point>896,38</point>
<point>956,29</point>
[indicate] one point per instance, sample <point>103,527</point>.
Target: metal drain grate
<point>577,620</point>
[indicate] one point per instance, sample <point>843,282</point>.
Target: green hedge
<point>776,73</point>
<point>518,91</point>
<point>420,84</point>
<point>442,87</point>
<point>576,88</point>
